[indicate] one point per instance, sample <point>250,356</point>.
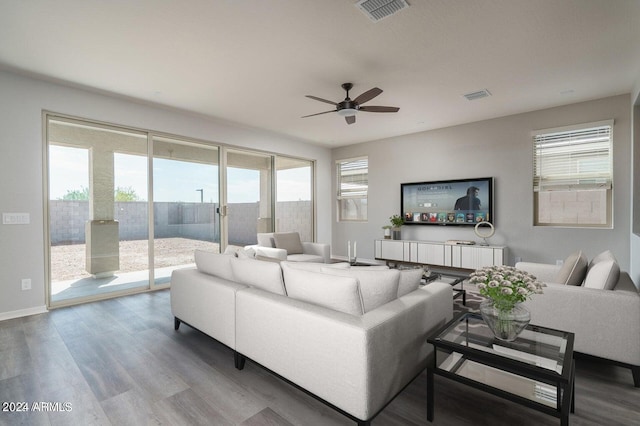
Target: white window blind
<point>354,178</point>
<point>574,159</point>
<point>353,188</point>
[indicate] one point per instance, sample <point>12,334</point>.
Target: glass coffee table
<point>536,370</point>
<point>455,280</point>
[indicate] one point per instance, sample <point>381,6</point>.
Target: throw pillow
<point>215,264</point>
<point>263,275</point>
<point>573,269</point>
<point>334,292</point>
<point>603,273</point>
<point>605,255</point>
<point>290,241</point>
<point>409,280</point>
<point>376,286</point>
<point>265,239</point>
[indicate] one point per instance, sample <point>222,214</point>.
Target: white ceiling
<point>252,61</point>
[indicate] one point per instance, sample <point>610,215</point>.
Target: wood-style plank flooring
<point>119,362</point>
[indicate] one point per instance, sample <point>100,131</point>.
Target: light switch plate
<point>16,218</point>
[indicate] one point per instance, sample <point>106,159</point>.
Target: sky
<point>173,180</point>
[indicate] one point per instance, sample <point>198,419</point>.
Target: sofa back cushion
<point>257,273</point>
<point>316,267</point>
<point>603,273</point>
<point>573,269</point>
<point>409,280</point>
<point>334,292</point>
<point>376,286</point>
<point>215,264</point>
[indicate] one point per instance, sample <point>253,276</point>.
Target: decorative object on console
<point>505,287</point>
<point>484,233</point>
<point>352,260</point>
<point>396,222</point>
<point>387,232</point>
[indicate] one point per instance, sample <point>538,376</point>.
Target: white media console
<point>440,253</point>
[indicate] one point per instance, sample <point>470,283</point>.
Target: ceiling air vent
<point>477,95</point>
<point>377,10</point>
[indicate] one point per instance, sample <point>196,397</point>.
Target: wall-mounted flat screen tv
<point>448,202</point>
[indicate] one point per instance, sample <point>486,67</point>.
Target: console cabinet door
<point>475,257</point>
<point>431,254</point>
<point>391,250</point>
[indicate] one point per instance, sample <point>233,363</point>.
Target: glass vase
<point>505,322</point>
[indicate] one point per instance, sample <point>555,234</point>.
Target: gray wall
<point>635,192</point>
<point>22,248</point>
<point>501,148</point>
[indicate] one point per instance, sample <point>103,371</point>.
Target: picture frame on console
<point>454,202</point>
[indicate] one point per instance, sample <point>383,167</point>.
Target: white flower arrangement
<point>505,285</point>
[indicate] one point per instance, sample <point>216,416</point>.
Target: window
<point>353,186</point>
<point>573,178</point>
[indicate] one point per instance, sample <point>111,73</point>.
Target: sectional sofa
<point>351,337</point>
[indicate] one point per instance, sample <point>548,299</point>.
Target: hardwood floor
<point>119,362</point>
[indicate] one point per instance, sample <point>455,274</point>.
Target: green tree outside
<point>121,194</point>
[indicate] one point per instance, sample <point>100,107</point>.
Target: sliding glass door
<point>294,190</point>
<point>126,207</point>
<point>97,195</point>
<point>185,203</point>
<point>249,189</point>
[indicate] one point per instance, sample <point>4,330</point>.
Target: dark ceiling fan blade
<point>350,119</point>
<point>379,109</point>
<point>311,115</point>
<point>321,100</point>
<point>367,96</point>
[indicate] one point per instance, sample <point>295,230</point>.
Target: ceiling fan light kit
<point>347,112</point>
<point>348,108</point>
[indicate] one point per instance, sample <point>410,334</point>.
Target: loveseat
<point>288,246</point>
<point>594,300</point>
<point>352,337</point>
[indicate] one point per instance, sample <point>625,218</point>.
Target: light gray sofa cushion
<point>290,241</point>
<point>215,264</point>
<point>257,273</point>
<point>603,272</point>
<point>377,286</point>
<point>308,258</point>
<point>573,269</point>
<point>409,280</point>
<point>316,267</point>
<point>334,292</point>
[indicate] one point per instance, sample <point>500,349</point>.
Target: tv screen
<point>448,202</point>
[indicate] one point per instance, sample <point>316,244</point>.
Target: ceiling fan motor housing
<point>347,104</point>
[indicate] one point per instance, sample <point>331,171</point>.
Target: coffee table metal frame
<point>563,382</point>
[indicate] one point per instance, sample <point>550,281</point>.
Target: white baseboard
<point>23,312</point>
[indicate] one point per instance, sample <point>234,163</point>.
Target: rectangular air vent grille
<point>377,10</point>
<point>477,95</point>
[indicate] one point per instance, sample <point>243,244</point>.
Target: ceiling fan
<point>348,108</point>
